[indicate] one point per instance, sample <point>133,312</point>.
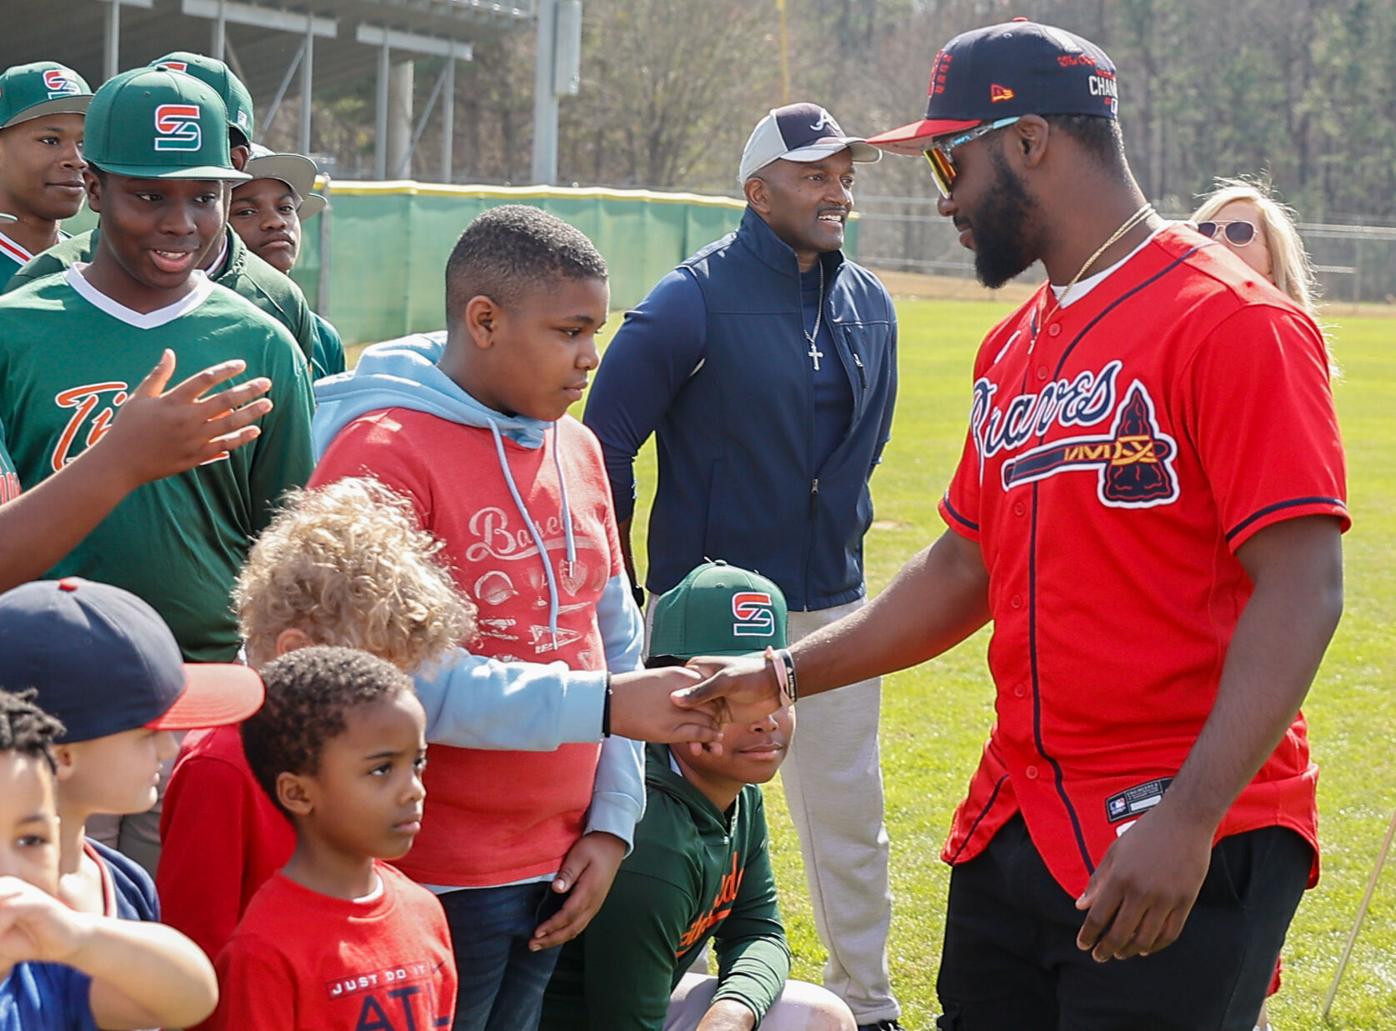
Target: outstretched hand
<point>643,708</point>
<point>35,926</point>
<point>737,690</point>
<point>159,433</point>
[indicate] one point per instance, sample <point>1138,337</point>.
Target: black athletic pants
<point>1010,961</point>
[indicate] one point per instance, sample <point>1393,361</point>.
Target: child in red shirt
<point>339,939</point>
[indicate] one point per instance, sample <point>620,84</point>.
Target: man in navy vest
<point>766,364</point>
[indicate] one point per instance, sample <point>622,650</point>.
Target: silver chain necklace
<point>814,352</point>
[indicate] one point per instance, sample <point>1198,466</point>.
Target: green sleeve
<point>329,349</point>
<point>46,263</point>
<point>628,952</point>
<point>753,959</point>
<point>283,458</point>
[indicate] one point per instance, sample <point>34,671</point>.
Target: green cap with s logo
<point>42,88</point>
<point>718,609</point>
<point>149,123</point>
<point>235,96</point>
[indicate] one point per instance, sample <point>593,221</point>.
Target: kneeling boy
<point>701,867</point>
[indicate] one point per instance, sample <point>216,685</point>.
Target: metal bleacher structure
<point>292,48</point>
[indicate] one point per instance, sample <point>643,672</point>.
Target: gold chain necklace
<point>1128,224</point>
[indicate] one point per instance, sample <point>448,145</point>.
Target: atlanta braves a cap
<point>798,132</point>
<point>235,96</point>
<point>1015,68</point>
<point>295,170</point>
<point>103,661</point>
<point>718,609</point>
<point>151,123</point>
<point>42,88</point>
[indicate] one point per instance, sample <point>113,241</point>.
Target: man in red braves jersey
<point>1149,508</point>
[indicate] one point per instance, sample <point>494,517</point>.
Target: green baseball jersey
<point>14,256</point>
<point>69,355</point>
<point>240,271</point>
<point>329,349</point>
<point>696,874</point>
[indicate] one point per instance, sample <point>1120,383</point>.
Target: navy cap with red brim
<point>215,694</point>
<point>913,139</point>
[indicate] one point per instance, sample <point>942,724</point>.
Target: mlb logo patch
<point>753,614</point>
<point>60,82</point>
<point>175,66</point>
<point>177,127</point>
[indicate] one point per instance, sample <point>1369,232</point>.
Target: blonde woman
<point>1244,216</point>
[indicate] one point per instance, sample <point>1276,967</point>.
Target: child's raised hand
<point>586,873</point>
<point>642,708</point>
<point>159,432</point>
<point>34,926</point>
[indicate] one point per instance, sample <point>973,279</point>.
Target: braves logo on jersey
<point>177,127</point>
<point>752,614</point>
<point>1133,461</point>
<point>60,82</point>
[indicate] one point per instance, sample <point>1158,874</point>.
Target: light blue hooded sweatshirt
<point>477,702</point>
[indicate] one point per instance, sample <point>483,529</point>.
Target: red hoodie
<point>496,817</point>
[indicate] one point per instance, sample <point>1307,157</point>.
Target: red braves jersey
<point>1120,451</point>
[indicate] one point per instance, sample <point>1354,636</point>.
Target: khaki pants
<point>833,786</point>
<point>800,1007</point>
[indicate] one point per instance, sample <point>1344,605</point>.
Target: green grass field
<point>935,718</point>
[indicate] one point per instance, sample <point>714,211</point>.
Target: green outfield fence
<point>373,263</point>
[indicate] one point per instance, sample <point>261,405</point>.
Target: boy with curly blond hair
<point>343,565</point>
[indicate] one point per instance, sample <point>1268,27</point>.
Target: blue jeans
<point>500,983</point>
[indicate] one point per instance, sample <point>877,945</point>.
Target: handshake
<point>692,703</point>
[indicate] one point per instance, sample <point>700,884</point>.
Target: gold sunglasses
<point>940,154</point>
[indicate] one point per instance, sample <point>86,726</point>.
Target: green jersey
<point>239,270</point>
<point>696,874</point>
<point>69,355</point>
<point>14,256</point>
<point>329,349</point>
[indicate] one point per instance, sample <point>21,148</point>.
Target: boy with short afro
<point>475,433</point>
<point>62,969</point>
<point>340,748</point>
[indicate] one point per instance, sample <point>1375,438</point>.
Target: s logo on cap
<point>59,83</point>
<point>177,127</point>
<point>752,614</point>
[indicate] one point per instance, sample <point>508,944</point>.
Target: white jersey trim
<point>14,251</point>
<point>140,320</point>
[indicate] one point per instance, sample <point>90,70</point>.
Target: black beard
<point>1001,247</point>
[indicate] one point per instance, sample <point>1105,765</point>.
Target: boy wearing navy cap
<point>41,114</point>
<point>103,663</point>
<point>67,971</point>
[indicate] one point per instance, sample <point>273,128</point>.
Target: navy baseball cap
<point>1015,68</point>
<point>798,132</point>
<point>103,661</point>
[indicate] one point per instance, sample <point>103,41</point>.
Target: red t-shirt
<point>496,817</point>
<point>302,961</point>
<point>221,838</point>
<point>1120,451</point>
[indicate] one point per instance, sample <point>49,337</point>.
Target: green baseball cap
<point>718,609</point>
<point>42,88</point>
<point>235,96</point>
<point>150,123</point>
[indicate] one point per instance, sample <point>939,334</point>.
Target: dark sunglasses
<point>1238,234</point>
<point>939,155</point>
